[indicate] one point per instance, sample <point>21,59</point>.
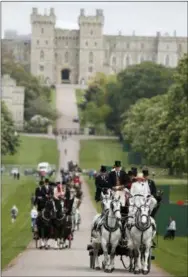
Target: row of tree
<point>9,138</point>
<point>37,103</point>
<point>37,97</point>
<point>147,105</point>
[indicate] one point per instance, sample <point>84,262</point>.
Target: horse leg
<point>146,256</point>
<point>42,237</point>
<point>104,245</point>
<point>96,256</point>
<point>138,265</point>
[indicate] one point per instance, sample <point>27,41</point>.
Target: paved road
<point>74,261</point>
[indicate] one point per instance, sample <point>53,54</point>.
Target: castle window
<point>38,42</point>
<point>180,47</point>
<point>41,55</point>
<point>114,45</point>
<point>142,46</point>
<point>95,43</point>
<point>91,33</point>
<point>66,57</point>
<point>114,60</point>
<point>46,42</point>
<point>167,60</point>
<point>167,47</point>
<point>42,31</point>
<point>128,45</point>
<point>90,69</point>
<point>41,68</point>
<point>86,43</point>
<point>90,57</point>
<point>66,43</point>
<point>56,56</point>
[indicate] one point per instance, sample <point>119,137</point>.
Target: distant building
<point>13,96</point>
<point>74,56</point>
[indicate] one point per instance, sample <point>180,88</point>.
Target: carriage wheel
<point>92,262</point>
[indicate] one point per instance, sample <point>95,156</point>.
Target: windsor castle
<point>74,56</point>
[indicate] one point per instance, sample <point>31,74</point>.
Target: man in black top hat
<point>101,182</point>
<point>118,178</point>
<point>153,191</point>
<point>134,171</point>
<point>39,197</point>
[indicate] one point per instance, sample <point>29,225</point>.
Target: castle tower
<point>42,45</point>
<point>91,45</point>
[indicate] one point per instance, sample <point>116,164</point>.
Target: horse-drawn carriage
<point>127,236</point>
<point>53,224</point>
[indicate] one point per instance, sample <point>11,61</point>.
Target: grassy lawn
<point>34,150</point>
<point>170,255</point>
<point>15,237</point>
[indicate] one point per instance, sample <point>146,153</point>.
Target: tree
<point>36,95</point>
<point>157,127</point>
<point>9,142</point>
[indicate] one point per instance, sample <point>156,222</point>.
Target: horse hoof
<point>145,272</point>
<point>107,270</point>
<point>97,268</point>
<point>137,272</point>
<point>112,269</point>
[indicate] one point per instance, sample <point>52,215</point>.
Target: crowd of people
<point>57,191</point>
<point>119,179</point>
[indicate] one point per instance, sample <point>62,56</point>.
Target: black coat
<point>152,187</point>
<point>101,182</point>
<point>39,197</point>
<point>123,178</point>
<point>48,192</point>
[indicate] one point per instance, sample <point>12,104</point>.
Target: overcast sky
<point>146,18</point>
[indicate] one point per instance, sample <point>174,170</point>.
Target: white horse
<point>140,231</point>
<point>111,233</point>
<point>96,225</point>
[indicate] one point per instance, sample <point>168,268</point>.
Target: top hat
<point>46,180</point>
<point>134,171</point>
<point>130,173</point>
<point>103,168</point>
<point>117,164</point>
<point>145,172</point>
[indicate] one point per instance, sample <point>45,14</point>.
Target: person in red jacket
<point>76,180</point>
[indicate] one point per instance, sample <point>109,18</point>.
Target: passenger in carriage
<point>59,195</point>
<point>153,191</point>
<point>76,180</point>
<point>101,183</point>
<point>47,190</point>
<point>39,197</point>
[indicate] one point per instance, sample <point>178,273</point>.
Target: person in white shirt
<point>171,229</point>
<point>34,215</point>
<point>14,213</point>
<point>141,187</point>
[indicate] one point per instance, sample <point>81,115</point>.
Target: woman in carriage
<point>59,195</point>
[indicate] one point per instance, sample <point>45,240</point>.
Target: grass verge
<point>15,237</point>
<point>170,255</point>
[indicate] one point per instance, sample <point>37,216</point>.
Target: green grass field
<point>15,237</point>
<point>170,255</point>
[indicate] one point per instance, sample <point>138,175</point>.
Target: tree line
<point>37,100</point>
<point>146,105</point>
